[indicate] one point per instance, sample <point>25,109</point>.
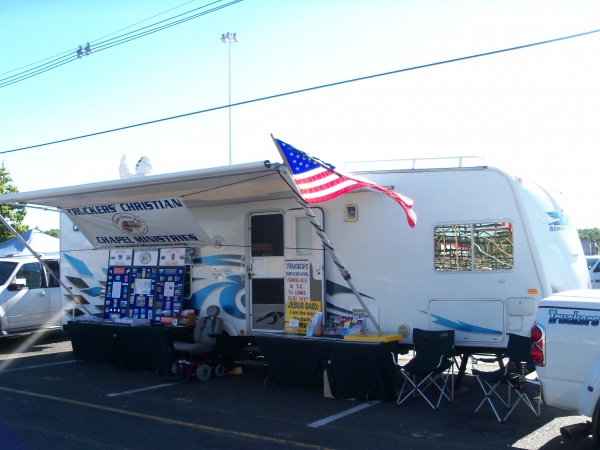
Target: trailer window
<point>303,236</point>
<point>474,246</point>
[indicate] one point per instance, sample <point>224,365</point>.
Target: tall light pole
<point>229,38</point>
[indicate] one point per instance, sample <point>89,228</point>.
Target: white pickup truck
<point>566,351</point>
<point>30,298</point>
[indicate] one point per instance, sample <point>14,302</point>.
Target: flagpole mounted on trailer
<point>328,246</point>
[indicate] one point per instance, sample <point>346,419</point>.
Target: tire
<point>219,370</point>
<point>203,372</point>
<point>596,426</point>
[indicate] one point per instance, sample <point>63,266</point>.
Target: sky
<point>535,110</point>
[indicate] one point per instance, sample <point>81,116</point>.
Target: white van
<point>593,263</point>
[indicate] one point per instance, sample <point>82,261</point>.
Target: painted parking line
<point>326,420</point>
<point>149,388</point>
<point>197,426</point>
<point>35,367</point>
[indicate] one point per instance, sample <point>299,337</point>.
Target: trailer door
<point>266,272</point>
<point>277,239</point>
<point>304,256</point>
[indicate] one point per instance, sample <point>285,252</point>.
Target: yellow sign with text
<point>298,314</point>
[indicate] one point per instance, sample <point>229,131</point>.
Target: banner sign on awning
<point>148,223</point>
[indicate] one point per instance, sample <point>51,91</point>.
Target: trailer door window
<point>267,235</point>
<point>474,246</point>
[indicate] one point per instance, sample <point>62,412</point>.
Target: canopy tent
<point>38,241</point>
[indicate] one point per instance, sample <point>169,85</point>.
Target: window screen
<point>474,246</point>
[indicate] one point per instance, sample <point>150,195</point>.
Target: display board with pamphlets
<point>147,285</point>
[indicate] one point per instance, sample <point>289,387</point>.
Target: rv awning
<point>204,187</point>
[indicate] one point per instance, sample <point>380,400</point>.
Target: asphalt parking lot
<point>51,401</point>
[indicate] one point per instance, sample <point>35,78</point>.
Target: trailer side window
<point>474,246</point>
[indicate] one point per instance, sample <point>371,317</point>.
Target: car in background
<point>593,263</point>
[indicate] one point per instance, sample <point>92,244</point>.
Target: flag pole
<point>327,243</point>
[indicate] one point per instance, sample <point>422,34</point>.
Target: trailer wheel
<point>204,372</point>
<point>595,426</point>
<point>219,370</point>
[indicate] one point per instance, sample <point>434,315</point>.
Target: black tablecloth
<point>354,369</point>
<point>132,347</point>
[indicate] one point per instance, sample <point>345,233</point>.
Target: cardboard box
<point>187,318</point>
<point>167,320</point>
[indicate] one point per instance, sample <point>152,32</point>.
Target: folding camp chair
<point>512,375</point>
<point>432,364</point>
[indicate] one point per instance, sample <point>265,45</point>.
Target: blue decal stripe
<point>226,297</point>
<point>463,326</point>
<point>94,291</point>
<point>79,265</point>
<point>220,260</point>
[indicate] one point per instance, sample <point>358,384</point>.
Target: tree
<point>54,232</point>
<point>590,234</point>
<point>14,215</point>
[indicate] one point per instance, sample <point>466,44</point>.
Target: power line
<point>145,20</point>
<point>124,38</point>
<point>72,55</point>
<point>37,70</point>
<point>314,88</point>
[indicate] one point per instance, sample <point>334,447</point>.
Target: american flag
<point>319,181</point>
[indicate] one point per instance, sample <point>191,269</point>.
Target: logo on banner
<point>130,224</point>
<point>145,258</point>
<point>218,241</point>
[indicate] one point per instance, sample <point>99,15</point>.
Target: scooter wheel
<point>219,370</point>
<point>203,372</point>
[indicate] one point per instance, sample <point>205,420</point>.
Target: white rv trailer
<point>488,246</point>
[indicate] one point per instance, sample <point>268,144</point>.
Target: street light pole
<point>229,38</point>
